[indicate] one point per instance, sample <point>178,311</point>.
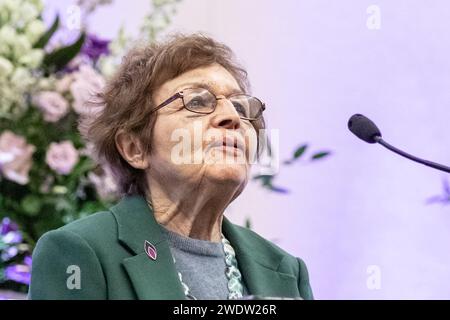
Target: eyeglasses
<point>200,100</point>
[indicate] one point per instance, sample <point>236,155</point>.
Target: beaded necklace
<point>235,287</point>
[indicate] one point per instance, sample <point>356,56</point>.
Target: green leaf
<point>62,204</point>
<point>48,34</point>
<point>320,155</point>
<point>85,164</point>
<point>248,223</point>
<point>300,151</point>
<point>31,204</point>
<point>59,58</point>
<point>265,179</point>
<point>297,154</point>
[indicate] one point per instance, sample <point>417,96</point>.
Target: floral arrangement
<point>47,175</point>
<point>15,259</point>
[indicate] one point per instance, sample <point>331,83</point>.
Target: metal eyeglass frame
<point>179,95</point>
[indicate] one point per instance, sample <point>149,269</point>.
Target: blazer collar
<point>151,279</point>
<point>136,223</point>
<point>257,260</point>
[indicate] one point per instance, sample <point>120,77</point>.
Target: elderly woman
<point>167,238</point>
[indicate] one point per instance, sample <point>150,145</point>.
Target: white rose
<point>9,97</point>
<point>14,101</point>
<point>4,15</point>
<point>63,85</point>
<point>6,67</point>
<point>32,59</point>
<point>38,4</point>
<point>107,66</point>
<point>25,13</point>
<point>7,35</point>
<point>34,30</point>
<point>5,107</point>
<point>21,78</point>
<point>21,45</point>
<point>8,93</point>
<point>46,83</point>
<point>9,5</point>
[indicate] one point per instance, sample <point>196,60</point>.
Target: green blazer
<point>102,256</point>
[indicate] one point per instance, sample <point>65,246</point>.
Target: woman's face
<point>188,148</point>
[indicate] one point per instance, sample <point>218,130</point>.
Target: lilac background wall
<point>315,63</point>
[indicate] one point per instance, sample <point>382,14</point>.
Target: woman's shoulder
<point>94,222</point>
<point>266,252</point>
<point>93,228</point>
<point>258,243</point>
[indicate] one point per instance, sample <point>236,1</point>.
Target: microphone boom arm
<point>411,157</point>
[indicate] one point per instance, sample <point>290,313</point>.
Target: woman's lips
<point>229,145</point>
<point>229,142</point>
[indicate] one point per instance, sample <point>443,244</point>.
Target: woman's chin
<point>223,173</point>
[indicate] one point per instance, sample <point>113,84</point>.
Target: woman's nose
<point>226,116</point>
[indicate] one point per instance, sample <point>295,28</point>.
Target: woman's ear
<point>131,150</point>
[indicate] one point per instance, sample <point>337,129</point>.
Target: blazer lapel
<point>151,279</point>
<point>264,282</point>
<point>158,279</point>
<point>258,264</point>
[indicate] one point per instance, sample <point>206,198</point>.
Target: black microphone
<point>366,130</point>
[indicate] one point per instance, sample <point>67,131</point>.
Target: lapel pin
<point>150,250</point>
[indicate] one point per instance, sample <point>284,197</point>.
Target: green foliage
<point>38,211</point>
<point>301,150</point>
<point>59,58</point>
<point>43,40</point>
<point>320,155</point>
<point>267,181</point>
<point>248,223</point>
<point>50,199</point>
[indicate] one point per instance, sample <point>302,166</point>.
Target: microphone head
<point>363,128</point>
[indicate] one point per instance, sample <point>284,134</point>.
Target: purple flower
<point>27,260</point>
<point>9,253</point>
<point>19,273</point>
<point>12,237</point>
<point>94,47</point>
<point>7,226</point>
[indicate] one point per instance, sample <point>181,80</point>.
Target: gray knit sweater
<point>201,264</point>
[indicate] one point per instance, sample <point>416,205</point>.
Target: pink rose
<point>62,157</point>
<point>52,105</point>
<point>15,157</point>
<point>87,82</point>
<point>104,183</point>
